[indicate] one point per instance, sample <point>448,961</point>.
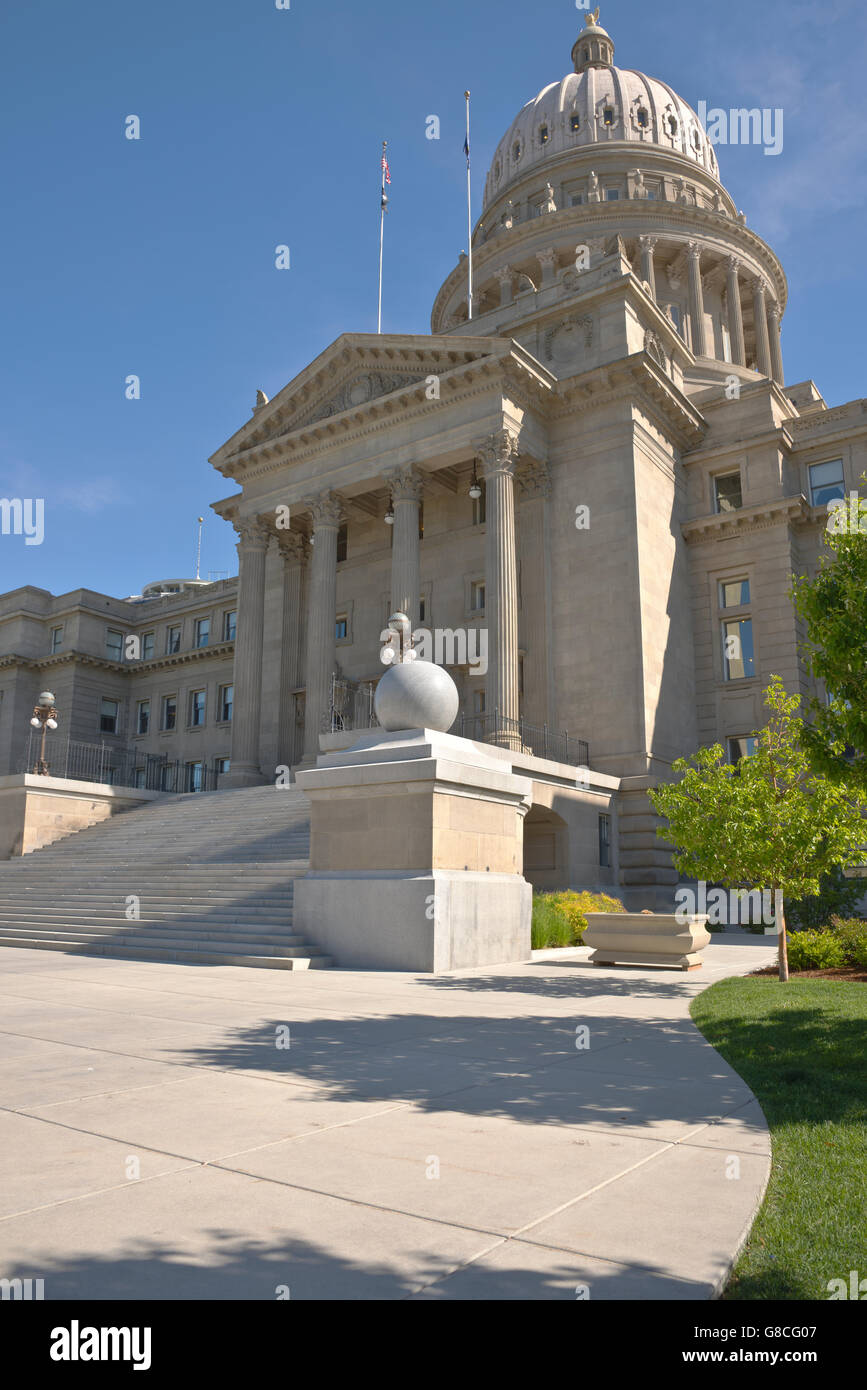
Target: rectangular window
<point>727,492</point>
<point>227,699</point>
<point>173,640</point>
<point>422,608</point>
<point>605,842</point>
<point>341,627</point>
<point>202,632</point>
<point>577,200</point>
<point>826,482</point>
<point>56,639</point>
<point>139,777</point>
<point>197,708</point>
<point>477,596</point>
<point>108,712</point>
<point>221,766</point>
<point>744,746</point>
<point>478,702</point>
<point>675,315</point>
<point>738,657</point>
<point>193,777</point>
<point>652,194</point>
<point>114,644</point>
<point>143,716</point>
<point>734,593</point>
<point>230,625</point>
<point>612,195</point>
<point>170,711</point>
<point>147,646</point>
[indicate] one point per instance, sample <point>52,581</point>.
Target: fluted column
<point>696,300</point>
<point>244,770</point>
<point>774,336</point>
<point>498,454</point>
<point>406,495</point>
<point>294,554</point>
<point>735,313</point>
<point>763,342</point>
<point>648,271</point>
<point>327,515</point>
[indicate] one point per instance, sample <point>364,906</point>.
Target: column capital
<point>648,243</point>
<point>326,508</point>
<point>733,265</point>
<point>253,533</point>
<point>293,548</point>
<point>497,452</point>
<point>759,287</point>
<point>504,274</point>
<point>774,311</point>
<point>548,257</point>
<point>406,484</point>
<point>693,249</point>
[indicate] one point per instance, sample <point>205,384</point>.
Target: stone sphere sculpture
<point>416,695</point>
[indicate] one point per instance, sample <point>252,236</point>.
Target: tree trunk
<point>783,947</point>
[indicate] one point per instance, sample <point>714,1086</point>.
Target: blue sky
<point>262,126</point>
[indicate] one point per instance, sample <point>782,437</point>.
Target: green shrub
<point>851,933</point>
<point>837,897</point>
<point>559,918</point>
<point>815,950</point>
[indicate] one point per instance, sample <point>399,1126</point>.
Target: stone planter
<point>654,938</point>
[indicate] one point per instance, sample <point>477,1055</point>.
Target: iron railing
<point>117,766</point>
<point>518,735</point>
<point>351,706</point>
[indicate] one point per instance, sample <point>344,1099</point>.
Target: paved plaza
<point>174,1132</point>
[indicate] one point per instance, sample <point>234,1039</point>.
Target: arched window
<point>574,122</point>
<point>543,135</point>
<point>643,117</point>
<point>672,125</point>
<point>608,115</point>
<point>516,150</point>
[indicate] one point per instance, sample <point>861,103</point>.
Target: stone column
<point>294,554</point>
<point>735,314</point>
<point>548,262</point>
<point>534,617</point>
<point>648,273</point>
<point>406,495</point>
<point>696,300</point>
<point>244,770</point>
<point>498,455</point>
<point>504,276</point>
<point>321,613</point>
<point>763,342</point>
<point>774,336</point>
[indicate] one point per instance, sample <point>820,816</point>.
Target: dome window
<point>672,125</point>
<point>574,122</point>
<point>516,150</point>
<point>608,115</point>
<point>643,117</point>
<point>695,140</point>
<point>543,135</point>
<point>497,171</point>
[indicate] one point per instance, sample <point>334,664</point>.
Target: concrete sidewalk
<point>417,1137</point>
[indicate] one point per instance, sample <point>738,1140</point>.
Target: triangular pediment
<point>355,371</point>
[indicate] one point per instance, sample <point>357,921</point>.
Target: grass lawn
<point>802,1048</point>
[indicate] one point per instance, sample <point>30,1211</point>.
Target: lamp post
<point>44,717</point>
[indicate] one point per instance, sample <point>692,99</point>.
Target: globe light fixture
<point>389,517</point>
<point>475,486</point>
<point>44,717</point>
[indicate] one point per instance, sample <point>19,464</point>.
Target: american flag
<point>386,170</point>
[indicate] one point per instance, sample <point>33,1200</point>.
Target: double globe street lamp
<point>44,717</point>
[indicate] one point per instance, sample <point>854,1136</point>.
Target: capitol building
<point>600,479</point>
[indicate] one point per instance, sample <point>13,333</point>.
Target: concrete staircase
<point>213,874</point>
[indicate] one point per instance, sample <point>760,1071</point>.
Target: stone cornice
<point>120,668</point>
<point>637,379</point>
<point>723,525</point>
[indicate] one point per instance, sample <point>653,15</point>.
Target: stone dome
<point>597,106</point>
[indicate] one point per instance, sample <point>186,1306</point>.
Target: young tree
<point>834,608</point>
<point>771,822</point>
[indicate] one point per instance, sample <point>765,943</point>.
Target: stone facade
<point>649,485</point>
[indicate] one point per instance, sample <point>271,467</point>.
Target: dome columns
<point>735,313</point>
<point>406,495</point>
<point>504,276</point>
<point>696,299</point>
<point>776,350</point>
<point>763,340</point>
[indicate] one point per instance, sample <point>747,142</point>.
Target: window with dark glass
<point>173,640</point>
<point>608,115</point>
<point>543,135</point>
<point>227,699</point>
<point>197,708</point>
<point>744,746</point>
<point>738,655</point>
<point>114,644</point>
<point>143,717</point>
<point>108,712</point>
<point>727,492</point>
<point>643,117</point>
<point>826,482</point>
<point>575,122</point>
<point>230,623</point>
<point>202,632</point>
<point>341,627</point>
<point>170,711</point>
<point>605,842</point>
<point>147,646</point>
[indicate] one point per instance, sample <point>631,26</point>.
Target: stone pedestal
<point>416,855</point>
<point>653,938</point>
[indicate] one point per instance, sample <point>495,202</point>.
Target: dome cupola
<point>593,48</point>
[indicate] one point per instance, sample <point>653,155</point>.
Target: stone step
<point>172,954</point>
<point>227,919</point>
<point>155,935</point>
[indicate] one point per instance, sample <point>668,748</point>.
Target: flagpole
<point>382,206</point>
<point>469,217</point>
